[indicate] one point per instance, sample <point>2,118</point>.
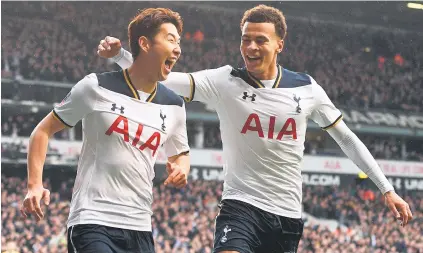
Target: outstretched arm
<point>330,119</point>
<point>355,149</point>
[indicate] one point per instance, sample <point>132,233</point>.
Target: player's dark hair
<point>266,14</point>
<point>147,23</point>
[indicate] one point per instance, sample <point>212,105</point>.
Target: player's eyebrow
<point>177,38</point>
<point>260,37</point>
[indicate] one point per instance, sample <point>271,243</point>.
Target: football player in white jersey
<point>263,111</point>
<point>127,116</point>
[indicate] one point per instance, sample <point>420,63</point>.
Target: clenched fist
<point>109,47</point>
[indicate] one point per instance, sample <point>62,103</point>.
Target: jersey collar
<point>134,91</point>
<point>256,83</point>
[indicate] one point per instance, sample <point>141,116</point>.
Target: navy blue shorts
<point>97,238</point>
<point>245,228</point>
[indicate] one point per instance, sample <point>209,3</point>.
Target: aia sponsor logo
<point>152,143</point>
<point>253,124</point>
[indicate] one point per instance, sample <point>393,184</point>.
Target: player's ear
<point>280,46</point>
<point>144,43</point>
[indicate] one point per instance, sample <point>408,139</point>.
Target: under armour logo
<point>298,103</point>
<point>253,96</point>
<point>163,117</point>
<point>225,230</point>
<point>114,107</point>
<point>65,99</point>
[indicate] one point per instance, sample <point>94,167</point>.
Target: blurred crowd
<point>369,226</point>
<point>183,219</point>
<point>392,148</point>
<point>358,66</point>
<point>22,126</point>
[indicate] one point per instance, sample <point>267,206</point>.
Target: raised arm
<point>111,48</point>
<point>198,86</point>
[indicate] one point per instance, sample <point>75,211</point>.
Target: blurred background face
<point>259,47</point>
<point>164,51</point>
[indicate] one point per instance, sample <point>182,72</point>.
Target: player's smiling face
<point>165,50</point>
<point>260,46</point>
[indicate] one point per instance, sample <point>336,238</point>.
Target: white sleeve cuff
<point>123,59</point>
<point>119,56</point>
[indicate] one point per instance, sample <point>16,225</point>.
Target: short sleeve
<point>325,114</point>
<point>78,102</point>
<point>178,141</point>
<point>206,84</point>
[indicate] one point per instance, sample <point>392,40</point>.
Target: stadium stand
<point>186,225</point>
<point>53,45</point>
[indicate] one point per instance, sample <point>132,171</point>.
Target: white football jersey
<point>263,132</point>
<point>262,129</point>
<point>122,135</point>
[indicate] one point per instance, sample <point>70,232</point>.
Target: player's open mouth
<point>253,59</point>
<point>169,63</point>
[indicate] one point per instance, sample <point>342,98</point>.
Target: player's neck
<point>269,74</point>
<point>140,79</point>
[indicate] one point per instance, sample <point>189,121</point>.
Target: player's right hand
<point>109,47</point>
<point>177,175</point>
<point>31,203</point>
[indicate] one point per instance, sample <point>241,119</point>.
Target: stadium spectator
<point>363,72</point>
<point>183,219</point>
<point>56,41</point>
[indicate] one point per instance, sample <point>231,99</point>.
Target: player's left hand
<point>398,207</point>
<point>177,175</point>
